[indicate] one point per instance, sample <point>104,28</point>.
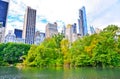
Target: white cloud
<point>100,13</point>
<point>41,27</point>
<point>13,25</point>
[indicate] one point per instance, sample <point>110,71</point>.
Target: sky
<point>99,13</point>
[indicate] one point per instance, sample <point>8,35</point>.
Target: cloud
<point>100,13</point>
<point>14,18</point>
<point>41,19</point>
<point>103,12</point>
<point>40,27</point>
<point>13,25</point>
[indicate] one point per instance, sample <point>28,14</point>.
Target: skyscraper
<point>74,28</point>
<point>68,34</point>
<point>71,33</point>
<point>3,15</point>
<point>82,22</point>
<point>51,29</point>
<point>3,11</point>
<point>29,25</point>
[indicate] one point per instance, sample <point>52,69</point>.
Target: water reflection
<point>58,73</point>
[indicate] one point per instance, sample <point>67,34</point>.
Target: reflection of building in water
<point>51,29</point>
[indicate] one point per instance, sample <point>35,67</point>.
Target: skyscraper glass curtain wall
<point>3,12</point>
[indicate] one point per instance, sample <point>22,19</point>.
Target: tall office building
<point>51,29</point>
<point>71,33</point>
<point>74,28</point>
<point>29,25</point>
<point>3,11</point>
<point>68,34</point>
<point>4,4</point>
<point>82,22</point>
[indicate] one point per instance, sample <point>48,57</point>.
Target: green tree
<point>58,38</point>
<point>12,52</point>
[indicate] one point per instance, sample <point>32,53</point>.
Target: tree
<point>58,38</point>
<point>12,52</point>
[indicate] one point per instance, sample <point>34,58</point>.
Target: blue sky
<point>100,13</point>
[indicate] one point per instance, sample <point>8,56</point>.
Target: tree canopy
<point>96,50</point>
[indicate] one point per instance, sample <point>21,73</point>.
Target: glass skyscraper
<point>3,15</point>
<point>82,22</point>
<point>74,28</point>
<point>3,12</point>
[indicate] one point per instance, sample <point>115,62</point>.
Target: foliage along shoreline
<point>97,50</point>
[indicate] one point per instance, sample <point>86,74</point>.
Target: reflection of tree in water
<point>9,73</point>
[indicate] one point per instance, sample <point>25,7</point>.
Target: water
<point>59,73</point>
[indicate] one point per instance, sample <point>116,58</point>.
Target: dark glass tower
<point>82,22</point>
<point>18,33</point>
<point>74,28</point>
<point>3,12</point>
<point>3,16</point>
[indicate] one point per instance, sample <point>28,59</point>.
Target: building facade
<point>74,28</point>
<point>63,30</point>
<point>29,26</point>
<point>18,33</point>
<point>4,5</point>
<point>42,35</point>
<point>2,33</point>
<point>51,29</point>
<point>11,37</point>
<point>68,34</point>
<point>82,22</point>
<point>71,32</point>
<point>39,37</point>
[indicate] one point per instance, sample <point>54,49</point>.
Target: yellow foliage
<point>64,46</point>
<point>89,48</point>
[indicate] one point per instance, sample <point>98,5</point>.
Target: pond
<point>59,73</point>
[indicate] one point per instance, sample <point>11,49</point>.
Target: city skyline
<point>99,13</point>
